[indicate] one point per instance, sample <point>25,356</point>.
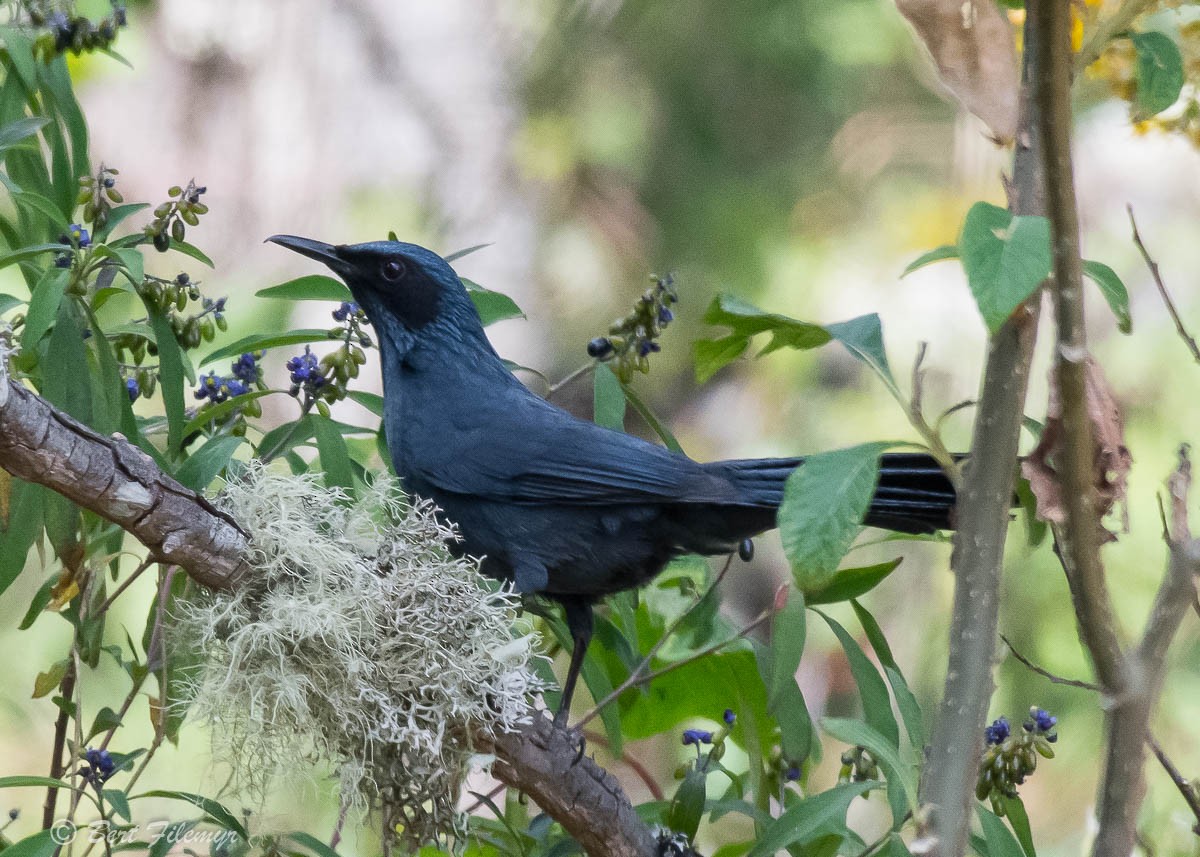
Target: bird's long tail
<point>913,494</point>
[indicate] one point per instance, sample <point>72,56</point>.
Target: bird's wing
<point>532,452</point>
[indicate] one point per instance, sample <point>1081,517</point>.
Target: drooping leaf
<point>788,630</point>
<point>40,844</point>
<point>1158,72</point>
<point>1000,840</point>
<point>746,321</point>
<point>824,502</point>
<point>863,337</point>
<point>608,398</point>
<point>902,785</point>
<point>25,521</point>
<point>170,376</point>
<point>335,457</point>
<point>876,703</point>
<point>1005,257</point>
<point>712,355</point>
<point>17,130</point>
<point>906,701</point>
<point>1113,290</point>
<point>213,809</point>
<point>43,306</point>
<point>687,807</point>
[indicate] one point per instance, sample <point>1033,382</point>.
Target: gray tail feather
<point>913,494</point>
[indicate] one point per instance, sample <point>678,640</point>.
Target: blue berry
<point>729,717</point>
<point>997,732</point>
<point>696,736</point>
<point>132,388</point>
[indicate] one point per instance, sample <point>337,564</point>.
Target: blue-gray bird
<point>555,504</point>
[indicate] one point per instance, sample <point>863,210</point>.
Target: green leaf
<point>119,801</point>
<point>1006,258</point>
<point>656,425</point>
<point>134,262</point>
<point>33,783</point>
<point>746,321</point>
<point>807,819</point>
<point>47,682</point>
<point>43,306</point>
<point>39,602</point>
<point>1014,811</point>
<point>788,630</point>
<point>8,302</point>
<point>41,844</point>
<point>36,202</point>
<point>170,377</point>
<point>215,810</point>
<point>117,215</point>
<point>20,51</point>
<point>210,412</point>
<point>712,355</point>
<point>192,251</point>
<point>20,129</point>
<point>863,337</point>
<point>26,514</point>
<point>67,382</point>
<point>608,398</point>
<point>687,807</point>
<point>906,701</point>
<point>314,287</point>
<point>999,839</point>
<point>168,837</point>
<point>856,733</point>
<point>824,502</point>
<point>105,720</point>
<point>946,251</point>
<point>373,402</point>
<point>1113,290</point>
<point>259,341</point>
<point>876,703</point>
<point>852,582</point>
<point>1159,73</point>
<point>492,306</point>
<point>307,840</point>
<point>335,458</point>
<point>466,251</point>
<point>203,465</point>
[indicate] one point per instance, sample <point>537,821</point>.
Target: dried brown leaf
<point>972,43</point>
<point>1111,460</point>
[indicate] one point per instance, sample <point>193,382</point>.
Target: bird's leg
<point>579,622</point>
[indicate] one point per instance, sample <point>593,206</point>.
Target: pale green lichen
<point>358,642</point>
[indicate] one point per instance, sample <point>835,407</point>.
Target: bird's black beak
<point>318,250</point>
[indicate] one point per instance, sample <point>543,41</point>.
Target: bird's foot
<point>574,735</point>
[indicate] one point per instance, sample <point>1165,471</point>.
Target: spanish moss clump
<point>358,642</point>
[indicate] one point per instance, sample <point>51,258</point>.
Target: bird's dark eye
<point>393,269</point>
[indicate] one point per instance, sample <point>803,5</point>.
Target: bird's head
<point>403,287</point>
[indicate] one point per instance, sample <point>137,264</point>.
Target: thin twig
<point>1181,782</point>
<point>646,678</point>
<point>137,572</point>
<point>632,680</point>
<point>875,846</point>
<point>1107,29</point>
<point>1187,338</point>
<point>480,799</point>
<point>1045,673</point>
<point>634,765</point>
<point>66,690</point>
<point>582,370</point>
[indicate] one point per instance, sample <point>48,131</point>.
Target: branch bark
<point>116,480</point>
<point>983,515</point>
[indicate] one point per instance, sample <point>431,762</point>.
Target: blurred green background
<point>797,153</point>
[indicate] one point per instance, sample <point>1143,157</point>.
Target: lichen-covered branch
<point>116,480</point>
<point>983,516</point>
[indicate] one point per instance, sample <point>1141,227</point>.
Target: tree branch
<point>116,480</point>
<point>983,516</point>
